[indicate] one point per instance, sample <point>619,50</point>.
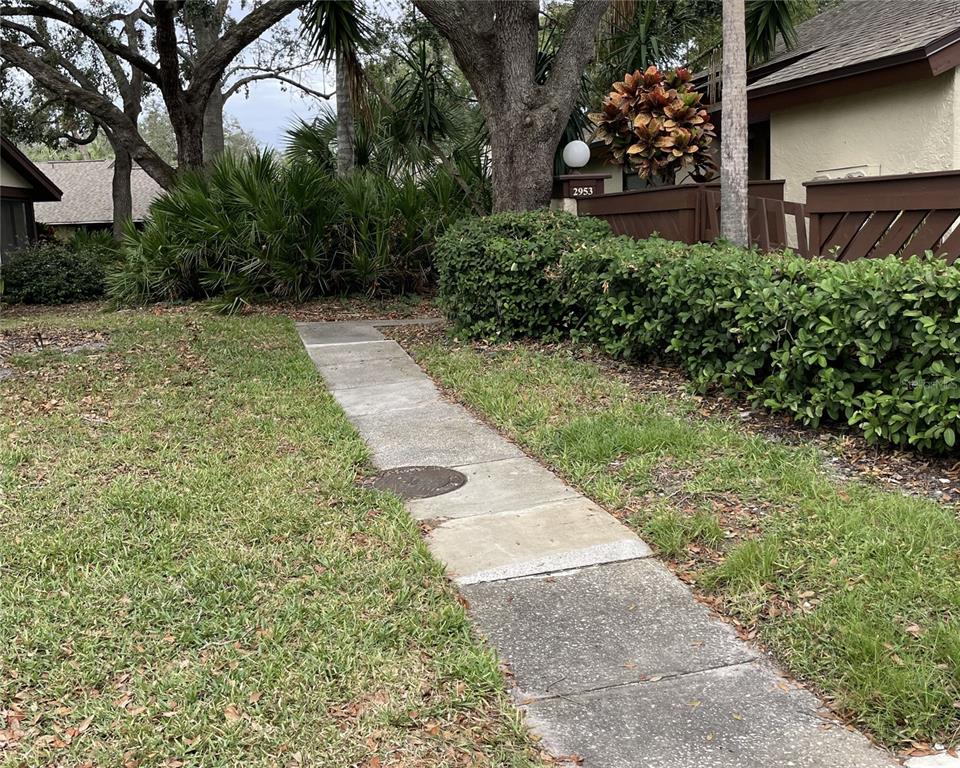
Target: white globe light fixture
<point>576,154</point>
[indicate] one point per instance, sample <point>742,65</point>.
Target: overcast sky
<point>269,111</point>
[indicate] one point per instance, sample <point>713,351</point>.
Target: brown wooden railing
<point>690,213</point>
<point>882,215</point>
<point>843,220</point>
<point>772,221</point>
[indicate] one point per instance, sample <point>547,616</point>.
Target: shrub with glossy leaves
<point>52,273</point>
<point>873,343</point>
<point>500,275</point>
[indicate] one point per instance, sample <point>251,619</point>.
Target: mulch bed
<point>846,455</point>
<point>38,311</point>
<point>349,308</point>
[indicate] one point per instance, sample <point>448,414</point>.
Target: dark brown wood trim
<point>861,68</point>
<point>17,193</point>
<point>904,192</point>
<point>946,59</point>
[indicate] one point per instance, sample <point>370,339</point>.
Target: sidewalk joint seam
<point>462,581</point>
<point>349,343</point>
<point>636,683</point>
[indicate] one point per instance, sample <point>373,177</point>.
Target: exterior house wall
<point>956,117</point>
<point>10,178</point>
<point>908,128</point>
<point>614,183</point>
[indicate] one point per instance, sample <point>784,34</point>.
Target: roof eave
<point>818,78</point>
<point>49,192</point>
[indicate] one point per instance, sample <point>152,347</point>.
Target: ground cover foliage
<point>873,343</point>
<point>190,573</point>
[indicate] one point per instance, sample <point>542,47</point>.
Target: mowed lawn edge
<point>190,574</point>
<point>855,589</point>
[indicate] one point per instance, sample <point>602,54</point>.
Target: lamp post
<point>576,154</point>
<point>570,187</point>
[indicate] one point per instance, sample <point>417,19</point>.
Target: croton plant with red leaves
<point>654,123</point>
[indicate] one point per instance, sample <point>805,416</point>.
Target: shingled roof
<point>88,192</point>
<point>860,35</point>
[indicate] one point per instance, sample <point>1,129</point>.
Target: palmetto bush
<point>257,227</point>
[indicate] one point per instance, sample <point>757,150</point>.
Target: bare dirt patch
<point>32,339</point>
<point>26,340</point>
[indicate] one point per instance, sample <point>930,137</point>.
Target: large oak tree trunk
<point>213,138</point>
<point>345,120</point>
<point>122,194</point>
<point>734,223</point>
<point>495,44</point>
<point>189,132</point>
<point>521,161</point>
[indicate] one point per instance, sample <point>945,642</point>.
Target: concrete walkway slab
<point>494,486</point>
<point>327,355</point>
<point>549,537</point>
<point>614,659</point>
<point>382,398</point>
<point>365,373</point>
<point>602,626</point>
<point>337,333</point>
<point>438,434</point>
<point>741,716</point>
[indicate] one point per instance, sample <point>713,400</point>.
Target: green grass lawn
<point>855,589</point>
<point>190,576</point>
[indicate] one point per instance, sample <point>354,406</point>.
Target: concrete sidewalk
<point>613,659</point>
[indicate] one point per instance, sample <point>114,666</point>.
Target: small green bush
<point>52,273</point>
<point>874,343</point>
<point>500,275</point>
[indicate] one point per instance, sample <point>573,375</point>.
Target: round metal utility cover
<point>418,482</point>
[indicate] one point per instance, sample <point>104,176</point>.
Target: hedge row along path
<point>612,659</point>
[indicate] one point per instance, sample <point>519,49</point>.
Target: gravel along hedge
<point>874,343</point>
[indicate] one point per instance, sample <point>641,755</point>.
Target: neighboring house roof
<point>88,192</point>
<point>860,36</point>
<point>41,187</point>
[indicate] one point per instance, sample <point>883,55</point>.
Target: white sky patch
<point>273,107</point>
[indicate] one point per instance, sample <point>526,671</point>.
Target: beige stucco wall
<point>614,183</point>
<point>10,178</point>
<point>907,128</point>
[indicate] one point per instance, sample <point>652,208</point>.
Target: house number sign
<point>580,185</point>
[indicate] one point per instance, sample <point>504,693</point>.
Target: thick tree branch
<point>39,42</point>
<point>273,76</point>
<point>97,105</point>
<point>579,43</point>
<point>91,27</point>
<point>209,67</point>
<point>79,141</point>
<point>166,41</point>
<point>473,18</point>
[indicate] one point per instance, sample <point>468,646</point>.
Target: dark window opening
<point>758,151</point>
<point>14,225</point>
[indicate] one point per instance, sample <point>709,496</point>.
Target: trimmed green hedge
<point>874,343</point>
<point>52,273</point>
<point>497,274</point>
